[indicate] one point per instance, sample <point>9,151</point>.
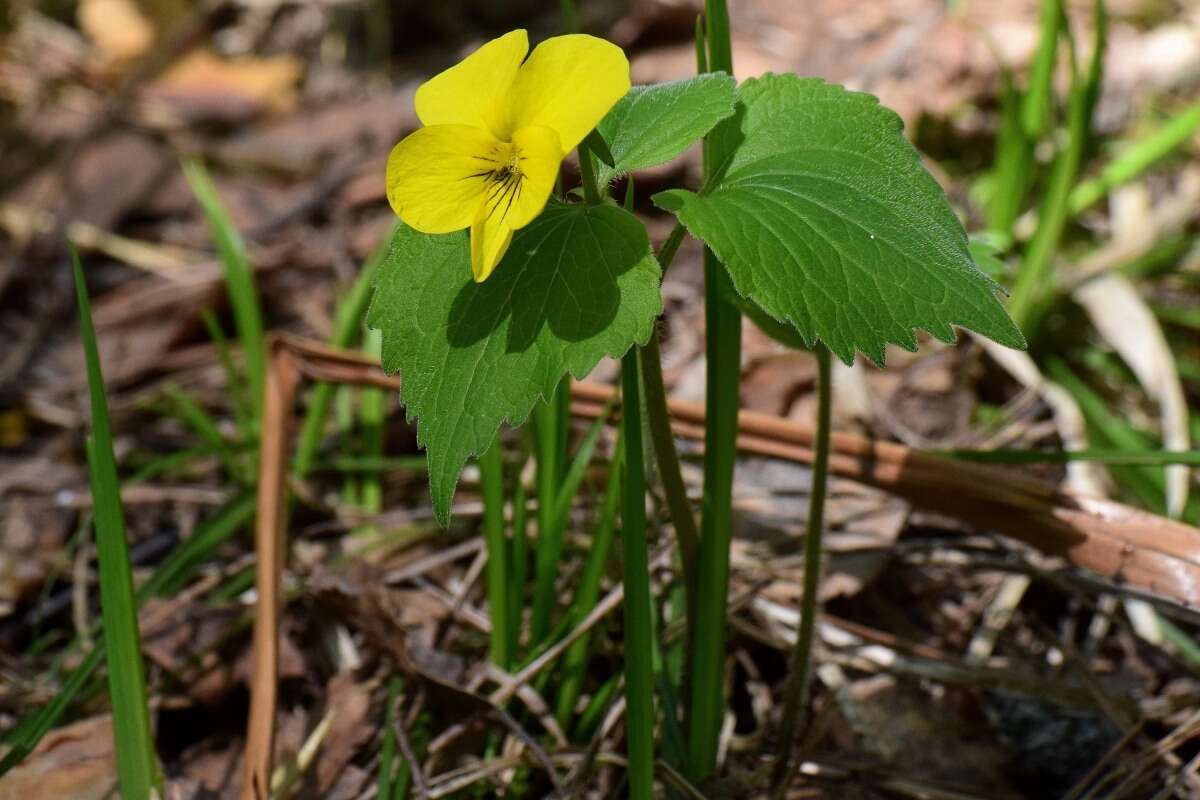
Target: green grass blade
<point>578,469</point>
<point>1013,164</point>
<point>491,477</point>
<point>1034,282</point>
<point>348,323</point>
<point>639,627</point>
<point>205,427</point>
<point>239,401</point>
<point>518,566</point>
<point>1127,458</point>
<point>372,407</point>
<point>170,575</point>
<point>137,764</point>
<point>1036,108</point>
<point>239,280</point>
<point>387,752</point>
<point>586,596</point>
<point>1137,158</point>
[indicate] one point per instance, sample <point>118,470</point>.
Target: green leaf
<point>578,284</point>
<point>825,218</point>
<point>653,124</point>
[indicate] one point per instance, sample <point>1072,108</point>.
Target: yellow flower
<point>496,130</point>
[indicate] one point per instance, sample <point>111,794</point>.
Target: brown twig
<point>269,535</point>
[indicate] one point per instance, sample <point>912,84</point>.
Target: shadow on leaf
<point>560,271</point>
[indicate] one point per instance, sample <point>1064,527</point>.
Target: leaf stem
<point>723,348</point>
<point>587,175</point>
<point>796,696</point>
<point>639,637</point>
<point>547,427</point>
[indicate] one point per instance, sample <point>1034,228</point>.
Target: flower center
<point>500,170</point>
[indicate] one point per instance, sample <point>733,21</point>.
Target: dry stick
<point>269,547</point>
<point>1106,537</point>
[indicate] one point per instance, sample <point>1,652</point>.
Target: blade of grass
<point>1035,280</point>
<point>387,752</point>
<point>1036,106</point>
<point>576,471</point>
<point>347,325</point>
<point>372,404</point>
<point>1013,164</point>
<point>639,630</point>
<point>167,578</point>
<point>1135,159</point>
<point>575,659</point>
<point>491,476</point>
<point>205,427</point>
<point>723,350</point>
<point>239,281</point>
<point>238,400</point>
<point>137,763</point>
<point>518,565</point>
<point>1133,458</point>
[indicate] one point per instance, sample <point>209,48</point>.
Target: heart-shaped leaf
<point>578,284</point>
<point>826,219</point>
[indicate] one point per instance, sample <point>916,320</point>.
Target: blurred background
<point>156,134</point>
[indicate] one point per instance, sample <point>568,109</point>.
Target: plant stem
<point>667,458</point>
<point>639,666</point>
<point>549,546</point>
<point>587,175</point>
<point>801,661</point>
<point>491,477</point>
<point>723,339</point>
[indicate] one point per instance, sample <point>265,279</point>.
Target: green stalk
<point>663,440</point>
<point>639,633</point>
<point>799,679</point>
<point>549,546</point>
<point>137,763</point>
<point>372,404</point>
<point>723,352</point>
<point>491,476</point>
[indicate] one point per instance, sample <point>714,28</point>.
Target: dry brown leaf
<point>75,762</point>
<point>203,85</point>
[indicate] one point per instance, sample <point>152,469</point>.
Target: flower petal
<point>490,237</point>
<point>539,155</point>
<point>473,91</point>
<point>437,176</point>
<point>569,83</point>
